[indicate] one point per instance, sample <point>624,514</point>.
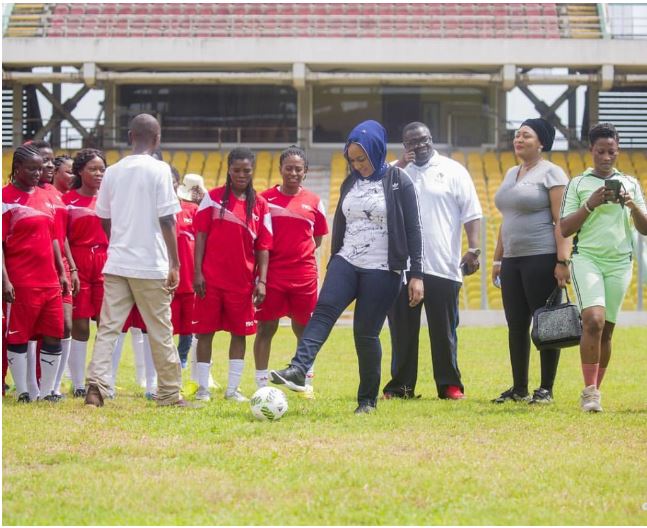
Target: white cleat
<point>235,396</point>
<point>203,394</point>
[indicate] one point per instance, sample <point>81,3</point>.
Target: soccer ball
<point>268,403</point>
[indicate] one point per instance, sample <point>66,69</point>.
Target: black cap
<point>544,130</point>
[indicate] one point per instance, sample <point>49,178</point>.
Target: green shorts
<point>599,282</point>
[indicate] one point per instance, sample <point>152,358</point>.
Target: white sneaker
<point>590,399</point>
<point>235,396</point>
<point>203,394</point>
<point>309,393</point>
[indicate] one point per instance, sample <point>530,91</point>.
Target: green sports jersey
<point>607,232</point>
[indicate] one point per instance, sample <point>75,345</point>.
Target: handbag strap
<point>552,298</point>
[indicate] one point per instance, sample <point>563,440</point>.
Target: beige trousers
<point>154,304</point>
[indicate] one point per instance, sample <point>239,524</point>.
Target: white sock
<point>203,370</point>
<point>262,378</point>
<point>32,379</point>
<point>149,366</point>
<point>76,360</point>
<point>235,373</point>
<point>18,368</point>
<point>116,357</point>
<point>49,364</point>
<point>193,362</point>
<point>137,343</point>
<point>65,353</point>
<point>310,376</point>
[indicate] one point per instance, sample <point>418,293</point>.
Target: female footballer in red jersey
<point>234,236</point>
<point>298,225</point>
<point>32,273</point>
<point>63,175</point>
<point>60,213</point>
<point>89,246</point>
<point>184,298</point>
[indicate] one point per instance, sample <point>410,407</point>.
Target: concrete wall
<point>321,54</point>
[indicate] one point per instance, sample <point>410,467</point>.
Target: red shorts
<point>296,303</point>
<point>67,298</point>
<point>87,303</point>
<point>224,310</point>
<point>35,312</point>
<point>90,262</point>
<point>134,320</point>
<point>182,313</point>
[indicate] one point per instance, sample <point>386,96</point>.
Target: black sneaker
<point>24,398</point>
<point>541,396</point>
<point>291,377</point>
<point>79,393</point>
<point>51,398</point>
<point>511,395</point>
<point>364,408</point>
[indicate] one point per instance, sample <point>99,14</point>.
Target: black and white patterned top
<point>366,243</point>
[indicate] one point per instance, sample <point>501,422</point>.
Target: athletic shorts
<point>67,298</point>
<point>134,320</point>
<point>296,303</point>
<point>90,262</point>
<point>182,313</point>
<point>600,282</point>
<point>224,310</point>
<point>35,312</point>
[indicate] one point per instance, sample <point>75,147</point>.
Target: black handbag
<point>556,325</point>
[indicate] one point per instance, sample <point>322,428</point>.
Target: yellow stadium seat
<point>459,156</point>
<point>508,160</point>
<point>180,160</point>
<point>112,156</point>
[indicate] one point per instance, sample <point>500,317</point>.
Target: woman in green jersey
<point>601,207</point>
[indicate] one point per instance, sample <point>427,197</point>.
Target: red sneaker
<point>454,393</point>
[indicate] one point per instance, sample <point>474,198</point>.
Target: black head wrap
<point>544,130</point>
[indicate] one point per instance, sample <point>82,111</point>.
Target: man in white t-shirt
<point>448,202</point>
<point>137,206</point>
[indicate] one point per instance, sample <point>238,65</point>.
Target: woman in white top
<point>376,231</point>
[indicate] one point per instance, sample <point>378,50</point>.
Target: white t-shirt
<point>134,194</point>
<point>448,200</point>
<point>366,240</point>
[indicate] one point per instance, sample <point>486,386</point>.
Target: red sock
<point>590,372</point>
<point>601,372</point>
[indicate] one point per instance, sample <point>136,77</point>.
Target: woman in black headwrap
<point>531,256</point>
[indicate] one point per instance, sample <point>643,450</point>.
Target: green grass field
<point>413,462</point>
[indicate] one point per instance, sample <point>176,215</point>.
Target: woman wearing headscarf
<point>376,237</point>
<point>531,256</point>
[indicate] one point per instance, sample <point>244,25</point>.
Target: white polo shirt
<point>448,200</point>
<point>135,192</point>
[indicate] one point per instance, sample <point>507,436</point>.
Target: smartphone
<point>615,186</point>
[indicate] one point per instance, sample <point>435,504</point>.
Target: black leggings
<point>526,283</point>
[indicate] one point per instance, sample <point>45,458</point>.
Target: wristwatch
<point>475,251</point>
<point>565,262</point>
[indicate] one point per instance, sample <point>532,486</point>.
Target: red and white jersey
<point>60,215</point>
<point>83,225</point>
<point>185,229</point>
<point>28,229</point>
<point>296,219</point>
<point>229,258</point>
